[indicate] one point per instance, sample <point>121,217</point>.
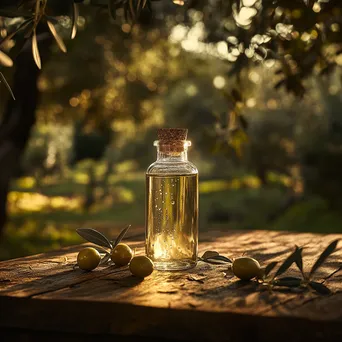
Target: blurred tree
<point>300,37</point>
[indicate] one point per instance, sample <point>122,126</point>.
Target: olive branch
<point>100,240</point>
<point>273,280</point>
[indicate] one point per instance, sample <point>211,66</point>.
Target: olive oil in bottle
<point>172,204</point>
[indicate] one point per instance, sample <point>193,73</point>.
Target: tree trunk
<point>19,116</point>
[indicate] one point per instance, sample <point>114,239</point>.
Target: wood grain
<point>44,293</point>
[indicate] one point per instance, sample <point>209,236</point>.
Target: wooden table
<point>43,298</point>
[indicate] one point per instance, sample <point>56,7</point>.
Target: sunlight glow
<point>219,82</point>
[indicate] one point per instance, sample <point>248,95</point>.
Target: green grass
<point>31,230</point>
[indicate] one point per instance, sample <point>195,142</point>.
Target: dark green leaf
<point>299,259</point>
<point>132,9</point>
<point>112,9</point>
<point>149,6</point>
<point>287,263</point>
<point>35,51</point>
<point>57,37</point>
<point>3,79</point>
<point>121,236</point>
<point>210,254</point>
<point>75,14</point>
<point>319,288</point>
<point>94,236</point>
<point>288,282</point>
<point>329,250</point>
<point>270,267</point>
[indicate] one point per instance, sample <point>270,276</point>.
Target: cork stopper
<point>172,134</point>
<point>172,139</point>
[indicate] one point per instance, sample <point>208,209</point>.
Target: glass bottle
<point>172,203</point>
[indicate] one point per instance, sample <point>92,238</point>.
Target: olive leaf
<point>112,9</point>
<point>288,282</point>
<point>329,250</point>
<point>35,51</point>
<point>121,236</point>
<point>5,60</point>
<point>75,15</point>
<point>270,267</point>
<point>94,236</point>
<point>12,34</point>
<point>3,79</point>
<point>299,259</point>
<point>288,262</point>
<point>132,9</point>
<point>57,37</point>
<point>209,254</point>
<point>319,288</point>
<point>220,257</point>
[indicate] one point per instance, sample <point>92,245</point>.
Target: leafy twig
<point>101,240</point>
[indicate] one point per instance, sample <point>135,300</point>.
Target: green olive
<point>246,268</point>
<point>88,259</point>
<point>121,254</point>
<point>141,266</point>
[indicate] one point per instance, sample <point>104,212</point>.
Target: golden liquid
<point>172,220</point>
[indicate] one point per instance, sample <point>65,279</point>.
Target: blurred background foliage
<point>257,83</point>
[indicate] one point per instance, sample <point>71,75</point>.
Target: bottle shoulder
<point>172,168</point>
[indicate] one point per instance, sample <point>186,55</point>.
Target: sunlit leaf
<point>3,79</point>
<point>325,254</point>
<point>75,14</point>
<point>35,51</point>
<point>121,236</point>
<point>94,236</point>
<point>57,37</point>
<point>5,60</point>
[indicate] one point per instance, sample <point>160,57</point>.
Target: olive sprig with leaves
<point>247,268</point>
<point>306,280</point>
<point>100,240</point>
<point>121,254</point>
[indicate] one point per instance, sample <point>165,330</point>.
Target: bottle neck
<point>172,157</point>
<point>172,151</point>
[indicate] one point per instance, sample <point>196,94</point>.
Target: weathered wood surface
<point>44,293</point>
